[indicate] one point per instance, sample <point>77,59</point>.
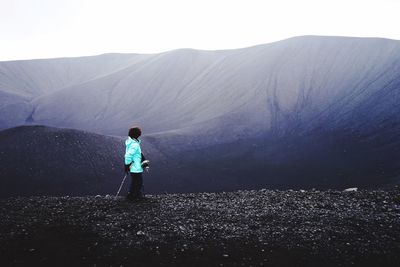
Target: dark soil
<point>244,228</point>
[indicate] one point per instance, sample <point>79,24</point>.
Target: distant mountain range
<point>303,112</point>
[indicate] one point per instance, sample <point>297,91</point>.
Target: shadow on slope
<point>39,160</point>
<point>322,160</point>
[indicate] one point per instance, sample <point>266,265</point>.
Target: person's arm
<point>127,168</point>
<point>130,151</point>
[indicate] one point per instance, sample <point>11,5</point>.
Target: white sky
<point>59,28</point>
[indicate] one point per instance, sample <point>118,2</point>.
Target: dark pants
<point>135,190</point>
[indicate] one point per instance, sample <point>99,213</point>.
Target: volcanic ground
<point>243,228</point>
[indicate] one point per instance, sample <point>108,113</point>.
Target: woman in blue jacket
<point>133,163</point>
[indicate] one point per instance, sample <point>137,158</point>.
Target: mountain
<point>301,82</point>
<point>304,112</point>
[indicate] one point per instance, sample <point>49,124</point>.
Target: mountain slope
<point>277,87</point>
<point>37,160</point>
<point>48,161</point>
<point>14,109</point>
<point>22,81</point>
<point>41,76</point>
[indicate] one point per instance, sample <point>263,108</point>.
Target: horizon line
<point>199,49</point>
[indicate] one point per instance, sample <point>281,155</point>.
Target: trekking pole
<point>123,180</point>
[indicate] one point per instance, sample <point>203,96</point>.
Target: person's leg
<point>138,183</point>
<point>131,186</point>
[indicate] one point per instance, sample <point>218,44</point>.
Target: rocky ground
<point>244,228</point>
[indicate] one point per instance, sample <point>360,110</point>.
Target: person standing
<point>133,163</point>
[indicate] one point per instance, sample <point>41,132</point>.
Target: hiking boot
<point>130,197</point>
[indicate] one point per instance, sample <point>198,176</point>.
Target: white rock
<point>351,189</point>
<point>140,233</point>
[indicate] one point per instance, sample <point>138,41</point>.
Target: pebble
<point>309,221</point>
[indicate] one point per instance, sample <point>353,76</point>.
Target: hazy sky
<point>57,28</point>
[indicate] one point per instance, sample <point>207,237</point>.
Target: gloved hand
<point>145,165</point>
<point>127,168</point>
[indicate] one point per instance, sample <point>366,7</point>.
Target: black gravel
<point>243,228</point>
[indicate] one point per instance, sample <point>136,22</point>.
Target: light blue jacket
<point>133,155</point>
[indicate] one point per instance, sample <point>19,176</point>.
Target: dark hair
<point>135,132</point>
